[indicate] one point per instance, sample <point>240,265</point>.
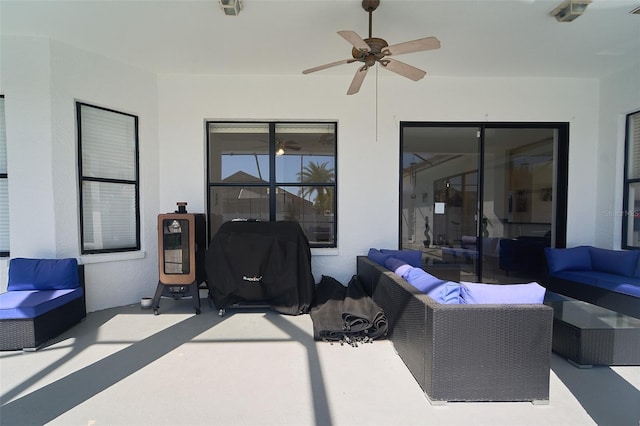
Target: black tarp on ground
<point>261,262</point>
<point>346,314</point>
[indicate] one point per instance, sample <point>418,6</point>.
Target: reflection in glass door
<point>517,203</point>
<point>440,198</point>
<point>481,201</point>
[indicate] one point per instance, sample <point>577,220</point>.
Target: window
<point>109,180</point>
<point>274,171</point>
<point>4,186</point>
<point>631,210</point>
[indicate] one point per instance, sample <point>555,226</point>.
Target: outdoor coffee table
<point>589,335</point>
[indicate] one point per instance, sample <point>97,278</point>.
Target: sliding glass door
<point>483,200</point>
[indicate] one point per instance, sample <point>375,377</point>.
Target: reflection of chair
<point>44,298</point>
<point>524,254</point>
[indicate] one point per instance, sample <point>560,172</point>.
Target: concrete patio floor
<point>125,366</point>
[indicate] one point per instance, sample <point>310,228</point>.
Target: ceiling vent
<point>570,10</point>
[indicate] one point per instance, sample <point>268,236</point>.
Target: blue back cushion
<point>377,256</point>
<point>439,290</point>
<point>412,257</point>
<point>451,293</point>
<point>568,259</point>
<point>32,303</point>
<point>618,262</point>
<point>43,274</point>
<point>479,293</point>
<point>399,267</point>
<point>392,263</point>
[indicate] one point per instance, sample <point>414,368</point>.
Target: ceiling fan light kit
<point>372,50</point>
<point>569,10</point>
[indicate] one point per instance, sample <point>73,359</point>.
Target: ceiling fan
<point>374,49</point>
<point>282,146</point>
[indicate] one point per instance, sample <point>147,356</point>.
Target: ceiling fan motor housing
<point>375,54</point>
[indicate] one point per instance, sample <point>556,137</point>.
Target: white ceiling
<point>479,37</point>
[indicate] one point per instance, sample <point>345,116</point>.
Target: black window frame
<point>273,183</point>
<point>5,253</point>
<point>82,179</point>
<point>627,211</point>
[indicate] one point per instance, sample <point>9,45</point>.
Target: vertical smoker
<point>181,249</point>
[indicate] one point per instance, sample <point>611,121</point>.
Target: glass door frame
<point>560,184</point>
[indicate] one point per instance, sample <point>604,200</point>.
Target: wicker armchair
<point>465,352</point>
<point>45,297</point>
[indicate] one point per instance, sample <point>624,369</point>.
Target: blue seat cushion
<point>625,288</point>
<point>612,282</point>
<point>32,303</point>
<point>42,274</point>
<point>586,277</point>
<point>619,284</point>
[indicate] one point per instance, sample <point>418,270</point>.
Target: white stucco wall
<point>42,79</point>
<point>368,138</point>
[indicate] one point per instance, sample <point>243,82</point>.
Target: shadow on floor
<point>51,401</point>
<point>608,398</point>
<point>45,404</point>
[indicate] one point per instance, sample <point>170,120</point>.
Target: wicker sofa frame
<point>465,352</point>
<point>29,334</point>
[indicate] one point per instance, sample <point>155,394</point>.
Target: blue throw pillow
<point>412,257</point>
<point>377,256</point>
<point>43,274</point>
<point>618,262</point>
<point>568,259</point>
<point>479,293</point>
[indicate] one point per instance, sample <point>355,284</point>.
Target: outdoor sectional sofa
<point>461,352</point>
<point>44,298</point>
<point>603,277</point>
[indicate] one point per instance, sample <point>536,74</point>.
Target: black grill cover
<point>266,262</point>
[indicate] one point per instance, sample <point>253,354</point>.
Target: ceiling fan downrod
<point>369,6</point>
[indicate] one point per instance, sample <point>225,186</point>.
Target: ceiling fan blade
<point>419,45</point>
<point>325,66</point>
<point>357,80</point>
<point>355,40</point>
<point>403,69</point>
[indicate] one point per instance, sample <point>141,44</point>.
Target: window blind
<point>108,144</point>
<point>634,145</point>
